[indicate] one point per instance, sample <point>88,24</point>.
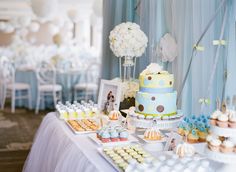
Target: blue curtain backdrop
<point>114,12</point>
<point>185,20</point>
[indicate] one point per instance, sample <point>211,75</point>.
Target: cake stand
<point>228,159</point>
<point>160,124</point>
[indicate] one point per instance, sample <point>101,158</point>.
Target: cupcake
<point>222,121</point>
<point>227,146</point>
<point>181,130</point>
<point>232,120</point>
<point>214,145</point>
<point>193,137</point>
<point>105,137</point>
<point>214,117</point>
<point>202,133</point>
<point>124,135</point>
<point>114,136</point>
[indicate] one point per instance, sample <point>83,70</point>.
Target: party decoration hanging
<point>97,8</point>
<point>24,21</point>
<point>167,49</point>
<point>198,47</point>
<point>53,29</point>
<point>44,8</point>
<point>34,27</point>
<point>2,26</point>
<point>73,15</point>
<point>219,42</point>
<point>9,29</point>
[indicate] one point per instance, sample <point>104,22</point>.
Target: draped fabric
<point>186,21</point>
<point>57,149</point>
<point>230,89</point>
<point>114,12</point>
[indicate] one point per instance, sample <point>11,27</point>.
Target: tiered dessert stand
<point>228,159</point>
<point>170,125</point>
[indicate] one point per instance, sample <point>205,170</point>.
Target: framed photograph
<point>109,95</point>
<point>173,140</point>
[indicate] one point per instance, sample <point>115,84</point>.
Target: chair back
<point>7,71</point>
<point>46,74</point>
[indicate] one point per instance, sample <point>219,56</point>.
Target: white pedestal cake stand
<point>228,159</point>
<point>160,124</point>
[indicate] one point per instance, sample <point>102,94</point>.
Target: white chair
<point>46,84</point>
<point>10,88</point>
<point>88,86</point>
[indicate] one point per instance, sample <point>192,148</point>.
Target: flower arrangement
<point>128,40</point>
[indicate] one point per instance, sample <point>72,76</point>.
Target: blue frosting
<point>150,102</point>
<point>124,134</point>
<point>105,134</point>
<point>156,90</point>
<point>114,134</point>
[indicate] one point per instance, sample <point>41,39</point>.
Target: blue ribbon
<point>156,90</point>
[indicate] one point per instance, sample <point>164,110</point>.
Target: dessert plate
<point>118,143</point>
<point>164,139</point>
<point>79,132</point>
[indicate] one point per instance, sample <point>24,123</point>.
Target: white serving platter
<point>78,132</point>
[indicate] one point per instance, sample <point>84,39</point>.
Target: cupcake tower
<point>221,144</point>
<point>112,134</point>
<point>76,110</point>
<point>194,128</point>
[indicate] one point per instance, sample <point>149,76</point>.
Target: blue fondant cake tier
<point>156,104</point>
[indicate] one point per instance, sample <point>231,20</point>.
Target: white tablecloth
<point>57,149</point>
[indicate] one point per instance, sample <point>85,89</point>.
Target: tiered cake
<point>156,96</point>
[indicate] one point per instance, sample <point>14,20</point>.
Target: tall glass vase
<point>128,68</point>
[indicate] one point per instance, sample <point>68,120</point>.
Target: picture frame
<point>173,140</point>
<point>109,95</point>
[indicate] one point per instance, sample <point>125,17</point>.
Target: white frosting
<point>216,114</point>
<point>209,138</point>
<point>152,69</point>
<point>223,118</point>
<point>215,142</point>
<point>228,143</point>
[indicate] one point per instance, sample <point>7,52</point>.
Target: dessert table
<point>56,148</point>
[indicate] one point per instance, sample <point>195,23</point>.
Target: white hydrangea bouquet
<point>127,42</point>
